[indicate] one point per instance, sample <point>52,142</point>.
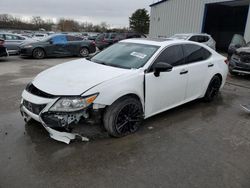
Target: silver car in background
<point>197,37</point>
<point>12,42</point>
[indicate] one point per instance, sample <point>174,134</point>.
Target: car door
<point>198,62</point>
<point>73,45</point>
<point>57,46</point>
<point>167,90</point>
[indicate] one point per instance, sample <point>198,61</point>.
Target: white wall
<point>181,16</point>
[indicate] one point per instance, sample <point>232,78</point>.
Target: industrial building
<point>219,18</point>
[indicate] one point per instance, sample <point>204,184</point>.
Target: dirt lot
<point>195,145</point>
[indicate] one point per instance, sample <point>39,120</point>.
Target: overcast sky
<point>113,12</point>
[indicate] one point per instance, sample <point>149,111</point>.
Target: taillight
<point>93,42</point>
<point>226,61</point>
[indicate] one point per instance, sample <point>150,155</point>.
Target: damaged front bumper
<point>238,65</point>
<point>59,125</point>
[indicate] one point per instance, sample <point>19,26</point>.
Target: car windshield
<point>126,55</point>
<point>182,37</point>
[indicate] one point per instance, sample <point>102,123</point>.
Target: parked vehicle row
<point>57,45</point>
<point>63,44</point>
<point>130,81</point>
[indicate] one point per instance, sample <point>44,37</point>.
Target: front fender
<point>114,89</point>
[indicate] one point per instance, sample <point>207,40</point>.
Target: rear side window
<point>59,39</point>
<point>173,55</point>
<point>199,38</point>
<point>194,53</point>
<point>73,38</point>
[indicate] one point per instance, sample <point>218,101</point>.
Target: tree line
<point>139,21</point>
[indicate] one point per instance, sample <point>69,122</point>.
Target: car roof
<point>191,34</point>
<point>158,41</point>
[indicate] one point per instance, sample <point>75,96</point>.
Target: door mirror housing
<point>161,67</point>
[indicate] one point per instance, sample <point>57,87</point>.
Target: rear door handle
<point>183,72</point>
<point>211,65</point>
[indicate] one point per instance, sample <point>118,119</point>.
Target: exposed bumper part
<point>64,137</point>
<point>52,122</point>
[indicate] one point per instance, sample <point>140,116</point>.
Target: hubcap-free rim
<point>215,86</point>
<point>84,52</point>
<point>128,119</point>
<point>38,53</point>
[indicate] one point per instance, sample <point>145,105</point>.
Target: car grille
<point>35,91</point>
<point>34,108</point>
<point>245,58</point>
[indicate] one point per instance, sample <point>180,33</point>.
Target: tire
<point>123,117</point>
<point>213,89</point>
<point>84,52</point>
<point>38,53</point>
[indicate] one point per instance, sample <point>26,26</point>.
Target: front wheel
<point>84,52</point>
<point>38,53</point>
<point>213,89</point>
<point>123,117</point>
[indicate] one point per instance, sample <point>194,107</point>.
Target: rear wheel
<point>123,117</point>
<point>38,53</point>
<point>84,52</point>
<point>213,89</point>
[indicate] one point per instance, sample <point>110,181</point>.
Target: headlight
<point>28,46</point>
<point>70,104</point>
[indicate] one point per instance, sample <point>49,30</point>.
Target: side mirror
<point>161,67</point>
<point>50,41</point>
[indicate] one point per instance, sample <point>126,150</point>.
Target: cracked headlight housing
<point>71,104</point>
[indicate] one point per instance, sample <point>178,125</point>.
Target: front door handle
<point>210,65</point>
<point>183,72</point>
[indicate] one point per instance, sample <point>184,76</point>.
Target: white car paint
<point>82,77</point>
<point>187,36</point>
<point>64,79</point>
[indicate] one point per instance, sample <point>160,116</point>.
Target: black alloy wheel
<point>213,89</point>
<point>38,53</point>
<point>123,117</point>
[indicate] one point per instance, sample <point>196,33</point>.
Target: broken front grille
<point>245,58</point>
<point>34,108</point>
<point>35,91</point>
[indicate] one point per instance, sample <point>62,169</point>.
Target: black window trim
<point>195,61</point>
<point>149,69</point>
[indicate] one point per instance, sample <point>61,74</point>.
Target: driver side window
<point>173,55</point>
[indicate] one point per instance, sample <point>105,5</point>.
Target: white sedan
<point>122,85</point>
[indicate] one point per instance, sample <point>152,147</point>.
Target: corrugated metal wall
<point>181,16</point>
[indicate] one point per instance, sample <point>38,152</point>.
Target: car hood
<point>28,42</point>
<point>75,77</point>
<point>243,50</point>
